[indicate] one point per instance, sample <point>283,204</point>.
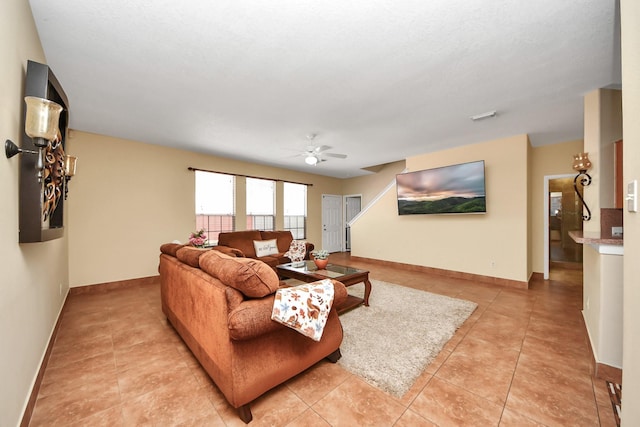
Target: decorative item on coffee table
<point>320,258</point>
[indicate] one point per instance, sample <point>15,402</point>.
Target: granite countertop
<point>595,238</point>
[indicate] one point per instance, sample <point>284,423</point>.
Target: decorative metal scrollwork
<point>584,181</point>
<point>53,178</point>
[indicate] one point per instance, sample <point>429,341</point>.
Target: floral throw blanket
<point>304,308</point>
<point>297,250</point>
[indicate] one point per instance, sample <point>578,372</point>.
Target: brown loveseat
<point>221,307</point>
<point>240,243</point>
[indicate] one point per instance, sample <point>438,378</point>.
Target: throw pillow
<point>265,247</point>
<point>304,308</point>
<point>252,277</point>
<point>297,250</point>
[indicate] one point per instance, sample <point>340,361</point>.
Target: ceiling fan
<point>315,154</point>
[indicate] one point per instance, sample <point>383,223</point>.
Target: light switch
<point>632,196</point>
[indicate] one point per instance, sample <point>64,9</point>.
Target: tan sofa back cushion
<point>190,255</point>
<point>242,240</point>
<point>253,278</point>
<point>170,248</point>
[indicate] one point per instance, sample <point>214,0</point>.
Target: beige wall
<point>493,244</point>
<point>32,273</point>
<point>630,24</point>
<point>547,160</point>
<point>369,186</point>
<point>530,229</point>
<point>610,132</point>
<point>602,127</point>
<point>128,198</point>
<point>34,276</point>
<point>602,274</point>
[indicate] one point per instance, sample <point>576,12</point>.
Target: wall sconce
<point>582,164</point>
<point>41,125</point>
<point>69,172</point>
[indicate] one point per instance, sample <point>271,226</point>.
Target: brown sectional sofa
<point>240,243</point>
<point>221,307</point>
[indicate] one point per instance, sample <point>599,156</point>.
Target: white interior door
<point>332,223</point>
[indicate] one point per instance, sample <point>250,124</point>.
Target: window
<point>295,209</point>
<point>261,212</point>
<point>215,203</point>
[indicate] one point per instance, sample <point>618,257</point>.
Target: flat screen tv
<point>455,189</point>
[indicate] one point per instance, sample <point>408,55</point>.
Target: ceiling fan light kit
<point>315,154</point>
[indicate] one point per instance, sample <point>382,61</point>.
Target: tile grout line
<point>515,368</point>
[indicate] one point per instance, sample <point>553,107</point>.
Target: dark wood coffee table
<point>308,272</point>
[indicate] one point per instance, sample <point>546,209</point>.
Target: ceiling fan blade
<point>321,148</point>
<point>335,155</point>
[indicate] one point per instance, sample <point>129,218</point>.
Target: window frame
<point>223,220</point>
<point>260,220</point>
<point>299,232</point>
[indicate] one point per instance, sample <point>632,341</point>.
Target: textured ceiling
<point>378,81</point>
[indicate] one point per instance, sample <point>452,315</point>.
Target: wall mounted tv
<point>455,189</point>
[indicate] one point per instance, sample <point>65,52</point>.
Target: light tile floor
<point>521,359</point>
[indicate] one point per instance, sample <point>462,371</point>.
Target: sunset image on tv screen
<point>450,189</point>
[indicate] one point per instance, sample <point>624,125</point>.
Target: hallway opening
<point>565,214</point>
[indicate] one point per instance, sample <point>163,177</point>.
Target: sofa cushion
<point>170,248</point>
<point>283,238</point>
<point>265,247</point>
<point>253,278</point>
<point>242,240</point>
<point>234,298</point>
<point>190,255</point>
<point>271,261</point>
<point>228,251</point>
<point>274,260</point>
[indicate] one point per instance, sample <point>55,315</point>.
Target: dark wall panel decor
<point>42,203</point>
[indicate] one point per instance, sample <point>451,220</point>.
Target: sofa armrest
<point>339,293</point>
<point>309,247</point>
<point>229,251</point>
<point>252,318</point>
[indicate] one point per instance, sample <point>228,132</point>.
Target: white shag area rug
<point>390,342</point>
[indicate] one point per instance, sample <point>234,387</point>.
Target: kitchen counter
<point>607,245</point>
